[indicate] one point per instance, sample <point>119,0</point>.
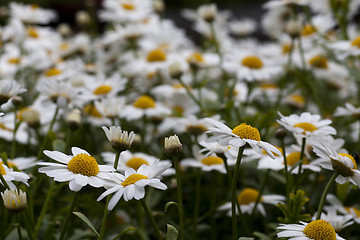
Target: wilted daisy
<point>307,124</point>
<point>344,164</point>
<point>11,175</point>
<point>239,136</point>
<point>247,199</point>
<point>132,185</point>
<point>14,200</point>
<point>80,169</point>
<point>120,140</point>
<point>318,229</point>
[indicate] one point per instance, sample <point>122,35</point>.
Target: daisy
<point>32,13</point>
<point>307,124</point>
<point>132,184</point>
<point>120,140</point>
<point>344,164</point>
<point>110,107</point>
<point>10,175</point>
<point>337,204</point>
<point>247,199</point>
<point>80,169</point>
<point>242,27</point>
<point>14,200</point>
<point>21,163</point>
<point>318,229</point>
<point>348,110</point>
<point>239,136</point>
<point>279,3</point>
<point>339,222</point>
<point>8,89</point>
<point>347,47</point>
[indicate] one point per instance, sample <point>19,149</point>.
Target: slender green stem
<point>44,208</point>
<point>233,194</point>
<point>4,181</point>
<point>197,202</point>
<point>106,211</point>
<point>191,95</point>
<point>13,144</point>
<point>179,195</point>
<point>28,227</point>
<point>287,189</point>
<point>18,227</point>
<point>262,187</point>
<point>322,200</point>
<point>43,144</point>
<point>152,220</point>
<point>68,216</point>
<point>302,153</point>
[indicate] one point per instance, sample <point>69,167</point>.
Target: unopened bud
<point>31,117</point>
<point>159,6</point>
<point>173,145</point>
<point>175,70</point>
<point>17,101</point>
<point>207,12</point>
<point>83,18</point>
<point>14,200</point>
<point>293,28</point>
<point>73,119</point>
<point>280,133</point>
<point>64,29</point>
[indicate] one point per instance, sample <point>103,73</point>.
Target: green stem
<point>152,220</point>
<point>106,211</point>
<point>191,95</point>
<point>287,189</point>
<point>13,145</point>
<point>28,227</point>
<point>262,187</point>
<point>179,195</point>
<point>68,216</point>
<point>197,202</point>
<point>322,200</point>
<point>44,208</point>
<point>233,194</point>
<point>18,227</point>
<point>4,181</point>
<point>302,153</point>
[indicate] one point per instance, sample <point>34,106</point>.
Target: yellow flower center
<point>83,164</point>
<point>252,62</point>
<point>178,110</point>
<point>196,57</point>
<point>212,160</point>
<point>351,158</point>
<point>136,162</point>
<point>32,32</point>
<point>308,127</point>
<point>2,170</point>
<point>320,230</point>
<point>286,48</point>
<point>34,6</point>
<point>91,110</point>
<point>156,56</point>
<point>275,154</point>
<point>64,46</point>
<point>356,42</point>
<point>246,131</point>
<point>2,126</point>
<point>52,72</point>
<point>14,60</point>
<point>10,164</point>
<point>268,85</point>
<point>294,157</point>
<point>319,62</point>
<point>357,211</point>
<point>307,30</point>
<point>144,102</point>
<point>247,196</point>
<point>128,6</point>
<point>133,179</point>
<point>103,89</point>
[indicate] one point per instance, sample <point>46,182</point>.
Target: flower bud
<point>73,119</point>
<point>173,145</point>
<point>64,29</point>
<point>207,12</point>
<point>293,28</point>
<point>31,117</point>
<point>83,18</point>
<point>14,200</point>
<point>175,70</point>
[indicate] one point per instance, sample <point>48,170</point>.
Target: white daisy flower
<point>21,163</point>
<point>120,140</point>
<point>318,229</point>
<point>8,89</point>
<point>247,199</point>
<point>80,169</point>
<point>11,175</point>
<point>307,124</point>
<point>132,185</point>
<point>339,222</point>
<point>110,107</point>
<point>348,110</point>
<point>32,13</point>
<point>344,164</point>
<point>337,204</point>
<point>347,47</point>
<point>239,136</point>
<point>14,200</point>
<point>279,3</point>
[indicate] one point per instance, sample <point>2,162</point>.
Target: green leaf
<point>87,221</point>
<point>261,236</point>
<point>58,145</point>
<point>123,232</point>
<point>246,238</point>
<point>172,233</point>
<point>168,204</point>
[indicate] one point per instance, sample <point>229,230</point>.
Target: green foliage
<point>293,211</point>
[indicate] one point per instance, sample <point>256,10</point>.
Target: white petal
<point>74,186</point>
<point>115,199</point>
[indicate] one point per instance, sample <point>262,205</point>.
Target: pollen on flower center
<point>320,230</point>
<point>10,164</point>
<point>156,56</point>
<point>319,62</point>
<point>247,196</point>
<point>294,157</point>
<point>252,62</point>
<point>307,127</point>
<point>2,170</point>
<point>350,209</point>
<point>307,30</point>
<point>351,158</point>
<point>133,179</point>
<point>91,110</point>
<point>196,57</point>
<point>136,162</point>
<point>103,89</point>
<point>144,102</point>
<point>212,160</point>
<point>32,32</point>
<point>52,72</point>
<point>246,131</point>
<point>83,164</point>
<point>356,42</point>
<point>128,6</point>
<point>14,60</point>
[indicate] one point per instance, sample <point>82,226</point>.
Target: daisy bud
<point>175,70</point>
<point>64,29</point>
<point>293,28</point>
<point>14,200</point>
<point>280,133</point>
<point>207,12</point>
<point>73,119</point>
<point>31,117</point>
<point>173,145</point>
<point>120,140</point>
<point>17,101</point>
<point>159,6</point>
<point>83,18</point>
